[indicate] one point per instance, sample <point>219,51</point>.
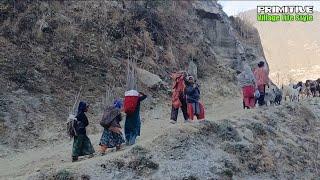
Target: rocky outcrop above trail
<point>233,41</point>
<point>149,79</point>
<point>49,49</point>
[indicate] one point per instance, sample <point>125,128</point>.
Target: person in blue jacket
<point>195,108</point>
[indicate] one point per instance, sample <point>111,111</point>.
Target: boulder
<point>207,6</point>
<point>147,78</point>
<point>193,69</point>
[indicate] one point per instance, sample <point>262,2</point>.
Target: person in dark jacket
<point>112,136</point>
<point>132,124</point>
<point>81,145</point>
<point>192,91</point>
<point>195,108</point>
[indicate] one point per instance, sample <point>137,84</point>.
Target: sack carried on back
<point>257,94</point>
<point>71,126</point>
<point>110,113</point>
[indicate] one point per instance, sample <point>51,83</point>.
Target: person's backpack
<point>110,113</point>
<point>71,126</point>
<point>131,100</point>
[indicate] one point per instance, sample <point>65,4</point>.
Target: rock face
<point>49,49</point>
<point>232,41</point>
<point>193,69</point>
<point>148,79</point>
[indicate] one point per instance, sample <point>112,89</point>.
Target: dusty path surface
<point>56,156</point>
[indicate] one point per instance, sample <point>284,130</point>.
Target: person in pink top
<point>262,79</point>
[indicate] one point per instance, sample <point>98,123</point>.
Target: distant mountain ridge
<point>288,45</point>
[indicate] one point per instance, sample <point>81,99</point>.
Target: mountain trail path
<point>58,156</point>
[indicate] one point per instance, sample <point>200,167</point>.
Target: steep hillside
<point>49,49</point>
<point>289,45</point>
<point>268,143</point>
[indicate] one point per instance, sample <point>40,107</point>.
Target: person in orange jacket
<point>178,96</point>
<point>262,79</point>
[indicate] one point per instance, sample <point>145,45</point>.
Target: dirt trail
<point>57,156</point>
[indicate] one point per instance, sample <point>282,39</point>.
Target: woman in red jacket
<point>178,96</point>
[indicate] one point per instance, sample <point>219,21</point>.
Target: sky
<point>235,7</point>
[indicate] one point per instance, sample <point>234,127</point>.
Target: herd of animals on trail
<point>257,90</point>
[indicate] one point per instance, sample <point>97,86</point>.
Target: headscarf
<point>261,64</point>
<point>190,78</point>
<point>117,103</point>
<point>82,107</point>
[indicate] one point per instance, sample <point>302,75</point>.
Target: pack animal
<point>287,91</point>
<point>278,98</point>
<point>318,87</point>
<point>296,94</point>
<point>313,88</point>
<point>270,96</point>
<point>291,92</point>
<point>305,91</point>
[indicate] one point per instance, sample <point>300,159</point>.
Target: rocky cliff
<point>49,49</point>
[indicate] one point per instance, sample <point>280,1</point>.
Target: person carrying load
<point>178,96</point>
<point>247,82</point>
<point>112,133</point>
<point>132,125</point>
<point>81,145</point>
<point>195,108</point>
<point>262,79</point>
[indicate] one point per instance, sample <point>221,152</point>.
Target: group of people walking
<point>185,96</point>
<point>112,136</point>
<point>253,84</point>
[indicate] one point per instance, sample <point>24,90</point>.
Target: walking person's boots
<point>103,149</point>
<point>74,158</point>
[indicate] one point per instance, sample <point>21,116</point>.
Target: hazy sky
<point>235,7</point>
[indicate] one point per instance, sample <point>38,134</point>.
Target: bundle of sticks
<point>131,73</point>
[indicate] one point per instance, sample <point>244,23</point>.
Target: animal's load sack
<point>130,101</point>
<point>109,114</point>
<point>71,126</point>
<point>257,94</point>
